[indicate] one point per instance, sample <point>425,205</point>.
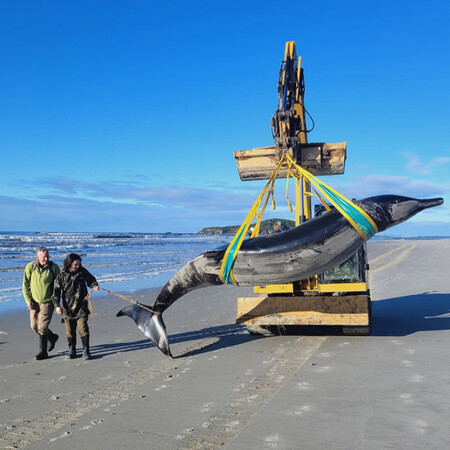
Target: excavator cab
<point>354,270</point>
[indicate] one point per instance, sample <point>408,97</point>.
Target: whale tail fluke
<point>151,324</point>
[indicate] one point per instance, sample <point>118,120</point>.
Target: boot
<point>42,348</point>
<point>86,352</point>
<point>72,348</point>
<point>52,338</point>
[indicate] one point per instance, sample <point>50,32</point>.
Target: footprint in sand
<point>206,407</point>
<point>92,424</point>
<point>64,435</point>
<point>417,378</point>
<point>407,398</point>
<point>421,426</point>
<point>171,377</point>
<point>59,379</point>
<point>272,440</point>
<point>239,388</point>
<point>231,425</point>
<point>302,410</point>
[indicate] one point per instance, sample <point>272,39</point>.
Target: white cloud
<point>64,204</point>
<point>418,167</point>
<point>370,185</point>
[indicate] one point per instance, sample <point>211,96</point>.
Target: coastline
<point>228,389</point>
<point>157,281</point>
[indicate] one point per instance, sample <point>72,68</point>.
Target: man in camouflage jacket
<point>71,284</point>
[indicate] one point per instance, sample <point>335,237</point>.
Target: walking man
<point>71,284</point>
<point>37,287</point>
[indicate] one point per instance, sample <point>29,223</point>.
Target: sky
<point>123,116</point>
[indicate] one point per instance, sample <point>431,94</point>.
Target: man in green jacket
<point>37,287</point>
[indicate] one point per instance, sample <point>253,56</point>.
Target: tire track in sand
<point>229,420</point>
<point>22,432</point>
<point>378,260</point>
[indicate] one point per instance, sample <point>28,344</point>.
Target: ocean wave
<point>121,262</point>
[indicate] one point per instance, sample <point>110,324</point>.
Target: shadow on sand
<point>401,316</point>
<point>228,336</point>
<point>102,350</point>
<point>398,316</point>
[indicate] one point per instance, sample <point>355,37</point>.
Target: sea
<point>121,262</point>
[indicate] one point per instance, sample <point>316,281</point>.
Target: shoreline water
<point>122,262</point>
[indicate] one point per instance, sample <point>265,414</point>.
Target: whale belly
<point>292,262</point>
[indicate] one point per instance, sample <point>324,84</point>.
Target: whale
<point>311,248</point>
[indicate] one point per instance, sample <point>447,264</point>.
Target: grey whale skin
<point>296,254</point>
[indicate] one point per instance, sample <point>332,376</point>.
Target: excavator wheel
<point>261,330</point>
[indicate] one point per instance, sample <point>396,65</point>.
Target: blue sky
<point>124,115</point>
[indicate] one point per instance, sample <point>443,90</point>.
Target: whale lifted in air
<point>301,252</point>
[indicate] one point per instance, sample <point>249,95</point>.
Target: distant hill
<point>267,227</point>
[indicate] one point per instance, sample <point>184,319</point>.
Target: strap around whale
<point>356,216</point>
<point>226,272</point>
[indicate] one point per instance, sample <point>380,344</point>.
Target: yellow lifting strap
<point>357,217</point>
<point>233,249</point>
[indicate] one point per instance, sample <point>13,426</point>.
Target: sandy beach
<point>228,389</point>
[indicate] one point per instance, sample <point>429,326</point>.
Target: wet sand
<point>228,389</point>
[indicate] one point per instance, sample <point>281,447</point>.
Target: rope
<point>130,300</point>
<point>123,297</point>
<point>90,304</point>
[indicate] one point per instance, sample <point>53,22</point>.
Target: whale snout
<point>390,210</point>
<point>431,202</point>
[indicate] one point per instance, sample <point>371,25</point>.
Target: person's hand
<point>59,310</point>
<point>31,306</point>
<point>96,288</point>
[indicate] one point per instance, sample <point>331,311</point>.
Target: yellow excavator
<point>340,297</point>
